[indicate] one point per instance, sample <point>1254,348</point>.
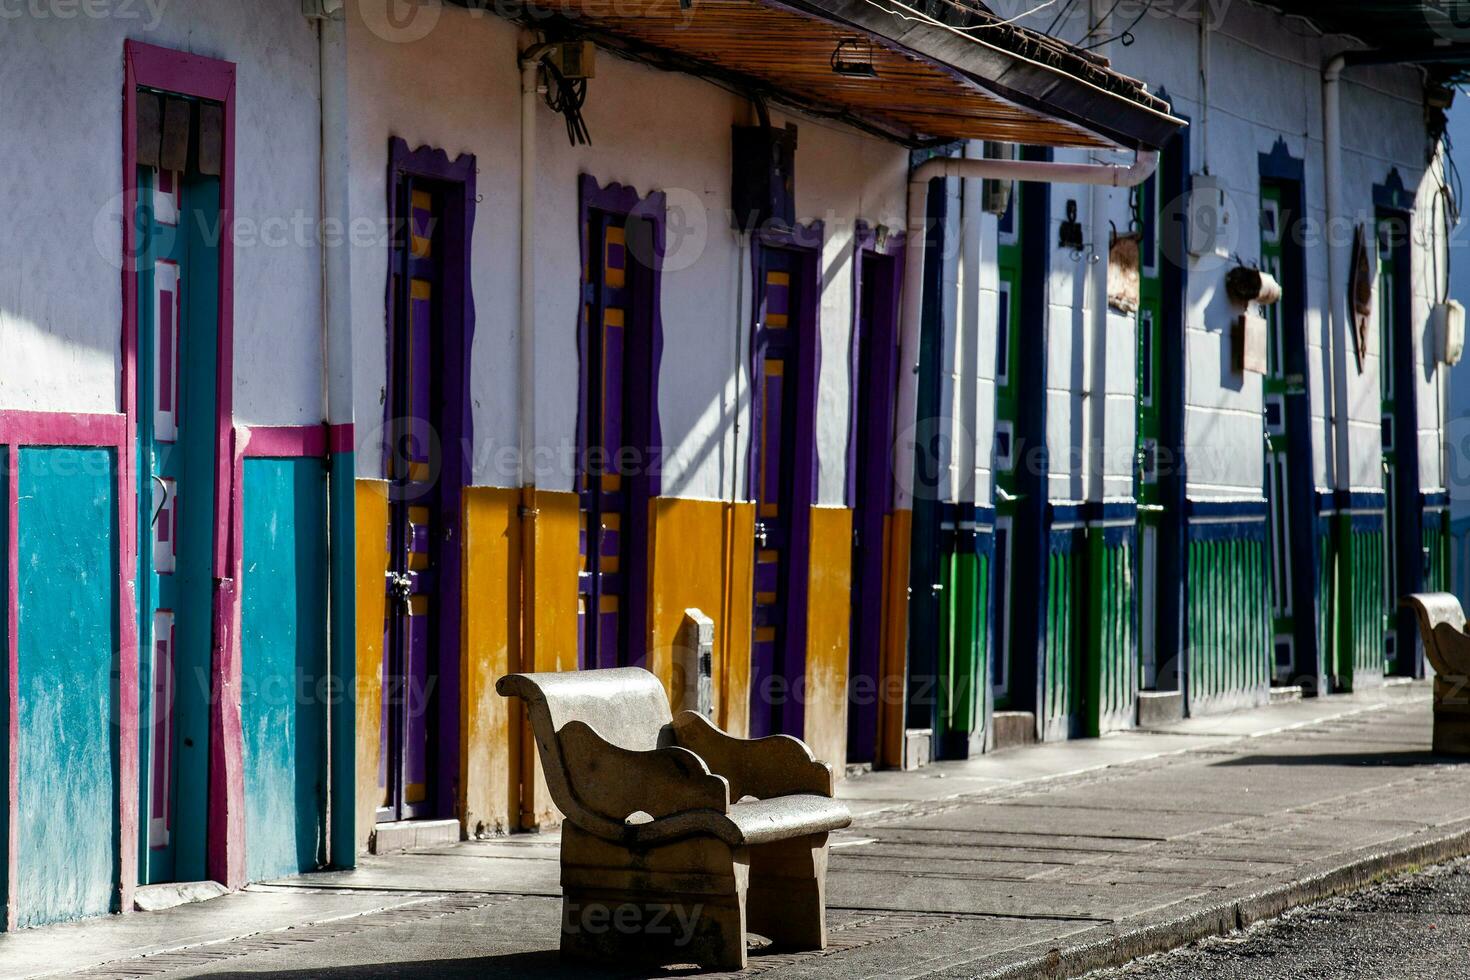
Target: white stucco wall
<point>1262,84</point>
<point>457,89</point>
<point>61,69</point>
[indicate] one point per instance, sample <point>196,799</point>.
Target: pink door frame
<point>213,80</point>
<point>19,429</point>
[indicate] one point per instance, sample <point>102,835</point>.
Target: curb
<point>1328,878</point>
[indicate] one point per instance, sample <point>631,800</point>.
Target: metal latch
<point>400,586</point>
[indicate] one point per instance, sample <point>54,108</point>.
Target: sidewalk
<point>1051,859</point>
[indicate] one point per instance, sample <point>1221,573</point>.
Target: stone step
<point>404,835</point>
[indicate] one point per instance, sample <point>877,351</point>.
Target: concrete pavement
<point>1046,860</point>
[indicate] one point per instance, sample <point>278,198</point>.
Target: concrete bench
<point>1447,648</point>
<point>678,837</point>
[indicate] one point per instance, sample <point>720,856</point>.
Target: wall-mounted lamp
<point>1069,233</point>
<point>1246,285</point>
<point>853,58</point>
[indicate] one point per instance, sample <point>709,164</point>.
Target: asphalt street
<point>1416,927</point>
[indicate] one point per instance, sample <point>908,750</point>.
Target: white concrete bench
<point>1447,648</point>
<point>678,837</point>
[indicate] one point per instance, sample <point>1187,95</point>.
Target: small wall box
<point>1209,216</point>
<point>1449,331</point>
<point>1248,344</point>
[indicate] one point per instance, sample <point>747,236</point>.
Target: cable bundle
<point>566,96</point>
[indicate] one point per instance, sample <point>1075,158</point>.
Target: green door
<point>1007,414</point>
<point>1149,429</point>
<point>1277,385</point>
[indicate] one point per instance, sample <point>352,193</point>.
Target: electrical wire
<point>566,97</point>
<point>1002,23</point>
<point>1061,15</point>
<point>914,16</point>
<point>1125,35</point>
<point>1100,21</point>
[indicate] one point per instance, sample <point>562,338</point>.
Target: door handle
<point>401,586</point>
<point>162,503</point>
<point>760,533</point>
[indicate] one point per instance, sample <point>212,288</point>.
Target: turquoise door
<point>178,301</point>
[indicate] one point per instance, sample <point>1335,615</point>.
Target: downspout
<point>1095,417</point>
<point>530,63</point>
<point>337,395</point>
<point>1336,267</point>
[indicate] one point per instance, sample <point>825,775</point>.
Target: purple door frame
<point>778,665</point>
<point>873,382</point>
<point>449,428</point>
<point>642,221</point>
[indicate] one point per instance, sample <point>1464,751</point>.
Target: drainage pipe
<point>530,64</point>
<point>1338,332</point>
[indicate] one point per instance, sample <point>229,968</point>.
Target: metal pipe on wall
<point>1336,266</point>
<point>338,410</point>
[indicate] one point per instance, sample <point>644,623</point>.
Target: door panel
<point>602,487</point>
<point>778,463</point>
<point>1276,386</point>
<point>1008,421</point>
<point>876,382</point>
<point>416,523</point>
<point>178,292</point>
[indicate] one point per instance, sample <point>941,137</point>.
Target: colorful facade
<point>341,383</point>
<point>1143,545</point>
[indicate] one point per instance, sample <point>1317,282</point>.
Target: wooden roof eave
<point>781,49</point>
<point>1026,82</point>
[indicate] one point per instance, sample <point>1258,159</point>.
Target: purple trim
<point>643,341</point>
<point>457,181</point>
<point>805,244</point>
<point>865,240</point>
<point>212,79</point>
<point>877,336</point>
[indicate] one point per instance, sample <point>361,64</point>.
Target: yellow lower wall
<point>701,556</point>
<point>557,560</point>
<point>372,565</point>
<point>828,628</point>
<point>893,672</point>
<point>491,646</point>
